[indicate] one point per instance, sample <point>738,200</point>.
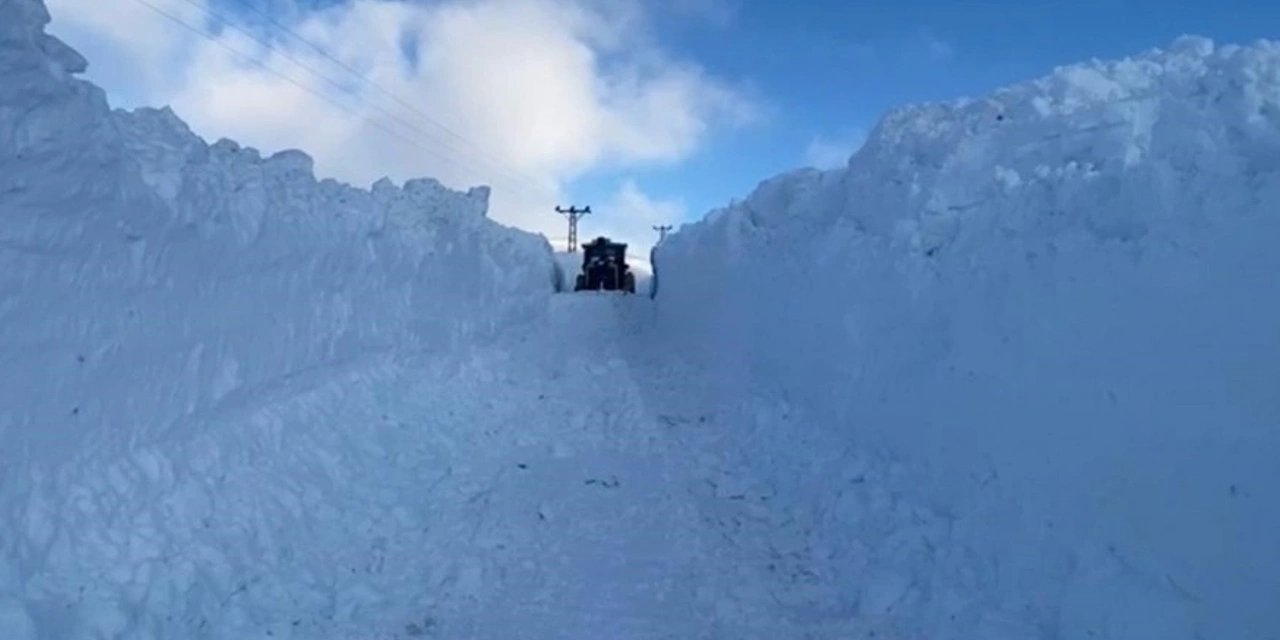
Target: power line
<point>513,177</point>
<point>354,72</point>
<point>264,67</point>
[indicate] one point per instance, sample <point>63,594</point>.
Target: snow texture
<point>131,245</point>
<point>1060,305</point>
<point>1011,374</point>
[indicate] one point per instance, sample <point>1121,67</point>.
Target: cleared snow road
<point>521,489</point>
<point>573,479</point>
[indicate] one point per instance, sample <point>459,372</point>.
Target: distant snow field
<point>1012,373</point>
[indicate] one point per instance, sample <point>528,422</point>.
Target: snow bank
<point>568,266</point>
<point>131,245</point>
<point>1061,301</point>
<point>149,280</point>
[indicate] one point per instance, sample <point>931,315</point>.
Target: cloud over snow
<point>524,95</point>
<point>826,152</point>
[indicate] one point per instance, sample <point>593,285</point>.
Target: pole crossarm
<point>573,214</point>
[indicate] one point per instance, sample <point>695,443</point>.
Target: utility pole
<point>662,230</point>
<point>573,213</point>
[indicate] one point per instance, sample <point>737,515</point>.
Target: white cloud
<point>642,212</point>
<point>546,89</point>
<point>131,49</point>
<point>833,152</point>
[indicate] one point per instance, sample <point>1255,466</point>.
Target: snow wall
<point>1061,302</point>
<point>129,245</point>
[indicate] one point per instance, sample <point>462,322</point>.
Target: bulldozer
<point>604,267</point>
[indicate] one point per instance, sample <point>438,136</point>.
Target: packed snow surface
<point>1013,373</point>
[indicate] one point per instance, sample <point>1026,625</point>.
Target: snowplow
<point>604,267</point>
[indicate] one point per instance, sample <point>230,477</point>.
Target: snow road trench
<point>238,401</point>
<point>570,480</point>
<point>520,490</point>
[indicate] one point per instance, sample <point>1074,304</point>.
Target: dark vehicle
<point>604,267</point>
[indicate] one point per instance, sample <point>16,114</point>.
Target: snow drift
<point>1061,301</point>
<point>149,281</point>
<point>130,245</point>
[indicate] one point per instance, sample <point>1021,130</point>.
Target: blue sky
<point>831,67</point>
<point>655,118</point>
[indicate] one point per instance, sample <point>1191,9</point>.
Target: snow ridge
<point>223,283</point>
<point>148,219</point>
<point>1056,299</point>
